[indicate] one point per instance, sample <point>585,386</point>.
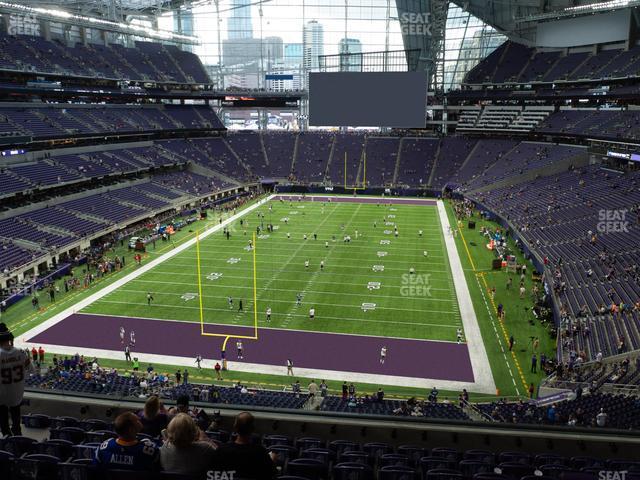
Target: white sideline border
<point>477,353</point>
<point>480,365</point>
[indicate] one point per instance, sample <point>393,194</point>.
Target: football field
<point>374,274</point>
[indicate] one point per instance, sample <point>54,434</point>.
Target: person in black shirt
<point>246,459</point>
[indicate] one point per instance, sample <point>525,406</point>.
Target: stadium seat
<point>36,467</point>
<point>448,453</point>
<point>99,436</point>
<point>79,469</point>
<point>35,420</point>
<point>309,468</point>
<point>480,455</point>
<point>415,453</point>
<point>116,474</point>
<point>352,471</point>
<point>94,424</point>
<point>305,443</point>
<point>270,440</point>
<point>86,450</point>
<point>395,459</point>
<point>75,435</point>
<point>375,449</point>
<point>549,459</point>
<point>395,472</point>
<point>585,462</point>
<point>325,455</point>
<point>442,474</point>
<point>6,463</point>
<point>514,469</point>
<point>433,463</point>
<point>284,453</point>
<point>471,467</point>
<point>555,470</point>
<point>18,445</point>
<point>490,476</point>
<point>61,422</point>
<point>340,446</point>
<point>515,457</point>
<point>62,449</point>
<point>355,457</point>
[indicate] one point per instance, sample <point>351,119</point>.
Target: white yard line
<point>482,374</point>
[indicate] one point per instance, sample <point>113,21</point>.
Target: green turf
<point>420,305</point>
<point>21,316</point>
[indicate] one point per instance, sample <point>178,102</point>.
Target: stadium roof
<point>514,18</point>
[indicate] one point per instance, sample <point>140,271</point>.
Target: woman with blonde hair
<point>153,417</point>
<point>186,449</point>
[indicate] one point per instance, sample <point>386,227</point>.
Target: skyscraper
<point>351,58</point>
<point>313,44</point>
<point>239,25</point>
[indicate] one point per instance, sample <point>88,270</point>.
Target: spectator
<point>127,452</point>
<point>153,418</point>
<point>248,460</point>
<point>186,449</point>
<point>601,418</point>
<point>15,362</point>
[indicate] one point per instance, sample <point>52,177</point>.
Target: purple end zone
<point>383,201</point>
<point>325,351</point>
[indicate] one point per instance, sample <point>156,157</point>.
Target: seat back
<point>393,472</point>
<point>309,468</point>
<point>352,471</point>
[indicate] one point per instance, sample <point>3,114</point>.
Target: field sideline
<point>433,317</point>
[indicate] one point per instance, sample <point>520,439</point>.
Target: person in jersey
<point>127,452</point>
<point>132,338</point>
<point>239,349</point>
<point>122,335</point>
<point>383,355</point>
<point>14,365</point>
<point>312,313</point>
<point>230,302</point>
<point>298,299</point>
<point>268,314</point>
<point>149,298</point>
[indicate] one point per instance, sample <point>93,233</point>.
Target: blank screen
<point>355,99</point>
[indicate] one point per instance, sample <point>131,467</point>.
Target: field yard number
<point>233,260</point>
<point>385,242</point>
<point>387,232</point>
<point>389,224</point>
<point>263,237</point>
<point>293,212</point>
<point>374,285</point>
<point>276,227</point>
<point>382,254</point>
<point>391,216</point>
<point>368,306</point>
<point>214,276</point>
<point>284,219</point>
<point>378,268</point>
<point>188,296</point>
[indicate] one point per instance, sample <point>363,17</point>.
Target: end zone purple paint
<point>325,351</point>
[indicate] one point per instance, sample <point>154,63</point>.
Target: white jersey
<point>14,364</point>
<point>122,332</point>
<point>239,345</point>
<point>312,312</point>
<point>383,352</point>
<point>268,312</point>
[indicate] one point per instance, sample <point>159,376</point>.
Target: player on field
<point>459,335</point>
<point>199,361</point>
<point>305,236</point>
<point>240,305</point>
<point>298,299</point>
<point>132,338</point>
<point>312,313</point>
<point>239,349</point>
<point>306,264</point>
<point>122,335</point>
<point>149,298</point>
<point>268,314</point>
<point>424,253</point>
<point>289,367</point>
<point>419,233</point>
<point>383,355</point>
<point>321,265</point>
<point>288,235</point>
<point>230,302</point>
<point>326,244</point>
